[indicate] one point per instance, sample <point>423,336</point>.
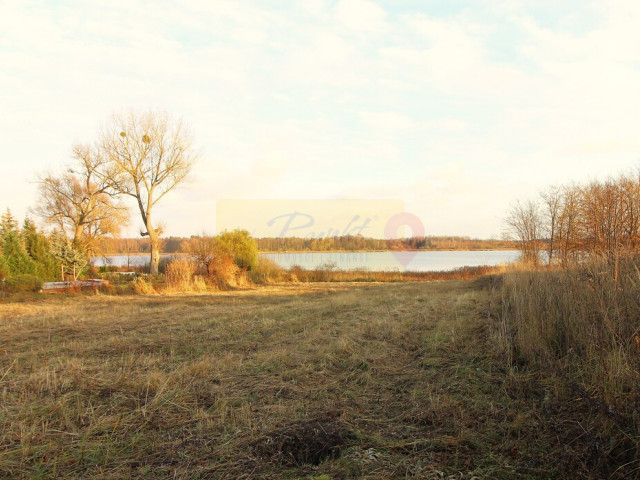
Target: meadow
<point>308,380</point>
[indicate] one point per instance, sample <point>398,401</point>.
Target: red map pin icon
<point>391,231</point>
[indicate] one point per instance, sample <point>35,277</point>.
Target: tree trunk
<point>154,240</point>
<point>551,242</point>
<point>154,243</point>
<point>78,234</point>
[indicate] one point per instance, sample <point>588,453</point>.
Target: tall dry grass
<point>582,326</point>
<point>223,273</point>
<point>180,275</point>
<point>268,271</point>
<point>328,273</point>
<point>142,286</point>
<point>179,272</point>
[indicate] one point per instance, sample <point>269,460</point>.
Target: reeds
<point>268,271</point>
<point>582,321</point>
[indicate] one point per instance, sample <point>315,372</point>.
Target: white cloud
<point>361,15</point>
<point>333,99</point>
<point>387,122</point>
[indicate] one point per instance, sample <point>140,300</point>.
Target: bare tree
<point>630,197</point>
<point>203,247</point>
<point>524,223</point>
<point>602,218</point>
<point>147,154</point>
<point>568,241</point>
<point>80,203</point>
<point>552,209</point>
<point>598,220</point>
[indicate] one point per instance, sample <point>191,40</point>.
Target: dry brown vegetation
<point>182,274</point>
<point>335,275</point>
<point>268,271</point>
<point>576,323</point>
<point>315,381</point>
<point>579,329</point>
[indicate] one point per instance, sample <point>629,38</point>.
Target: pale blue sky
<point>456,108</point>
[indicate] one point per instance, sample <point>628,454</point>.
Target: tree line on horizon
<point>132,246</point>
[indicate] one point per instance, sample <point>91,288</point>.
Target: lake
<point>418,261</point>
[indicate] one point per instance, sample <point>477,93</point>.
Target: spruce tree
<point>8,223</point>
<point>38,248</point>
<point>72,262</point>
<point>16,257</point>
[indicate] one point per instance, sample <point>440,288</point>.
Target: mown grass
<point>315,381</point>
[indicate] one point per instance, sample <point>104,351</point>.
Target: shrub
<point>223,272</point>
<point>239,246</point>
<point>23,283</point>
<point>326,272</point>
<point>107,269</point>
<point>127,288</point>
<point>179,273</point>
<point>142,287</point>
<point>266,271</point>
<point>299,273</point>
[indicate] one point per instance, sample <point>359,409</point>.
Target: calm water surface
<point>376,261</point>
<point>381,261</point>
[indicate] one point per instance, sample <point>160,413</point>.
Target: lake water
<point>419,261</point>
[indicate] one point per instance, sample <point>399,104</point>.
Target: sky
<point>456,109</point>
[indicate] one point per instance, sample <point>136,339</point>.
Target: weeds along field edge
<point>580,326</point>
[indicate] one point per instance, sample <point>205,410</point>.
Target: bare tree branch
<point>80,202</point>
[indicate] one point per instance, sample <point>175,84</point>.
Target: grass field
<point>315,381</point>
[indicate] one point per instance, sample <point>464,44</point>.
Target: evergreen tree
<point>8,223</point>
<point>72,262</point>
<point>4,267</point>
<point>15,256</point>
<point>38,248</point>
